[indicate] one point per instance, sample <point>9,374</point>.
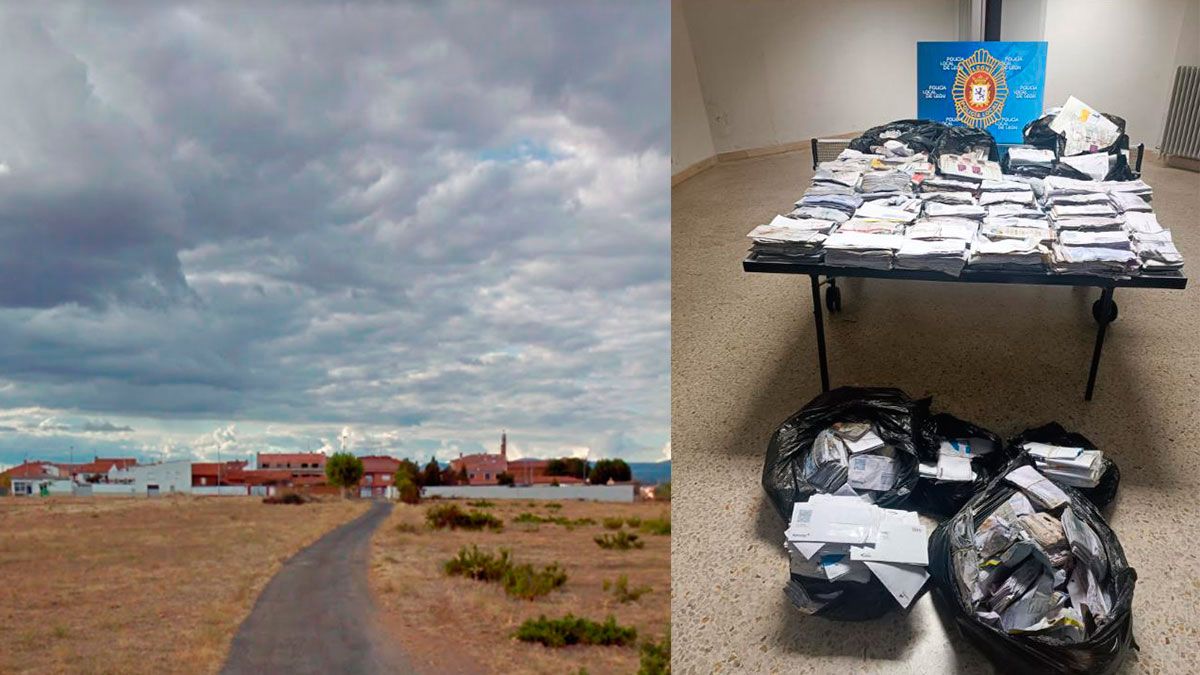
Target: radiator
<point>1181,137</point>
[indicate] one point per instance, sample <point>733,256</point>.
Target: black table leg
<point>816,295</point>
<point>1105,317</point>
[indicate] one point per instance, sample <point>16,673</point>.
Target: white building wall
<point>168,476</point>
<point>594,493</point>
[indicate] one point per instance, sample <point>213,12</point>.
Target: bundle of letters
<point>840,537</point>
<point>954,460</point>
<point>1024,158</point>
<point>851,454</point>
<point>1036,567</point>
<point>791,239</point>
<point>1108,228</point>
<point>896,210</point>
<point>1077,467</point>
<point>862,249</point>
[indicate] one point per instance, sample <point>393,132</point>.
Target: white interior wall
<point>691,140</point>
<point>769,73</point>
<point>1119,57</point>
<point>779,72</point>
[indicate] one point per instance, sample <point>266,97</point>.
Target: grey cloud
<point>307,215</point>
<point>104,426</point>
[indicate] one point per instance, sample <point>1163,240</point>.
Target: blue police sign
<point>996,86</point>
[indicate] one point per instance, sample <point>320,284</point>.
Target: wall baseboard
<point>692,170</point>
<point>751,153</point>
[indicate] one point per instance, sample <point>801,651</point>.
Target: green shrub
<point>520,581</point>
<point>553,506</point>
<point>621,541</point>
<point>505,478</point>
<point>450,516</point>
<point>613,523</point>
<point>481,504</point>
<point>407,528</point>
<point>527,517</point>
<point>573,630</point>
<point>527,583</point>
<point>622,592</point>
<point>410,492</point>
<point>633,522</point>
<point>533,518</point>
<point>656,657</point>
<point>479,565</point>
<point>659,526</point>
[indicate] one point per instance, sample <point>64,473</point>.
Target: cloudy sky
<point>263,230</point>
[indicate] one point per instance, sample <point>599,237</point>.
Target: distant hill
<point>651,472</point>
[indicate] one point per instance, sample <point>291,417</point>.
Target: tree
<point>343,470</point>
<point>409,469</point>
<point>449,476</point>
<point>505,478</point>
<point>432,474</point>
<point>463,478</point>
<point>567,466</point>
<point>610,469</point>
<point>6,483</point>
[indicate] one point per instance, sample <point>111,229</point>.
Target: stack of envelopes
<point>1078,467</point>
<point>840,537</point>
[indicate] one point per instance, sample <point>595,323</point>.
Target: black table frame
<point>1104,310</point>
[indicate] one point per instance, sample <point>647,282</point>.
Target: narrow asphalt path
<point>317,615</point>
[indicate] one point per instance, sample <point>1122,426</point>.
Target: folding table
<point>1104,310</point>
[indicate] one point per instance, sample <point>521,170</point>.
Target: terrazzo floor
<point>1005,357</point>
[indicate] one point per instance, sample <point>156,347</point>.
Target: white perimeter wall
<point>595,493</point>
<point>776,72</point>
<point>772,72</point>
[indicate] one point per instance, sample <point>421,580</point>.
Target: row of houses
<point>272,471</point>
<point>125,476</point>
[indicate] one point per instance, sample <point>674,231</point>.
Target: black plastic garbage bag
<point>1100,654</point>
<point>891,412</point>
<point>919,135</point>
<point>1054,434</point>
<point>965,140</point>
<point>848,600</point>
<point>1039,134</point>
<point>944,499</point>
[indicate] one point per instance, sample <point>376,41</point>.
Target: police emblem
<point>980,88</point>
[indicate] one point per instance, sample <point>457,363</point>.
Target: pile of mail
<point>851,454</point>
<point>862,249</point>
<point>791,238</point>
<point>1078,467</point>
<point>842,538</point>
<point>1036,566</point>
<point>954,460</point>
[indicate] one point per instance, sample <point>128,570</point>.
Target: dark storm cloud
<point>427,222</point>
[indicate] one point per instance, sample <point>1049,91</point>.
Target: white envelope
<point>902,581</point>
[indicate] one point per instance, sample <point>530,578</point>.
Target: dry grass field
<point>121,585</point>
<point>458,625</point>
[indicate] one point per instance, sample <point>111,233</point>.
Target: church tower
<point>504,445</point>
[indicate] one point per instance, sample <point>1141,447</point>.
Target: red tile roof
<point>104,464</point>
<point>379,464</point>
<point>36,470</point>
